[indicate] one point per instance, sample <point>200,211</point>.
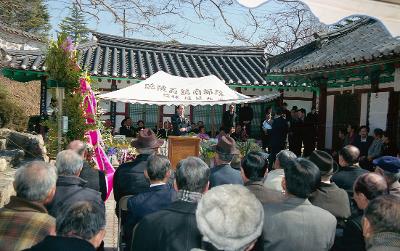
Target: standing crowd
<point>293,203</point>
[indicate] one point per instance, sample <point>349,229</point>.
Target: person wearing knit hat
<point>389,167</point>
<point>230,218</point>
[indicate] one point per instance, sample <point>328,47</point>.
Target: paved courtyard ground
<point>111,237</point>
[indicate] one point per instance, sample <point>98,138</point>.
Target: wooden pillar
<point>113,105</point>
<point>322,113</point>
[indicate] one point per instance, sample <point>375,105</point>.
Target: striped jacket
<point>23,224</point>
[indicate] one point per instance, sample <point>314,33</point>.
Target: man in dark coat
<point>245,117</point>
<point>328,195</point>
<point>175,228</point>
<point>278,135</point>
<point>159,195</point>
<point>127,128</point>
<point>299,130</point>
<point>129,177</point>
<point>296,224</point>
<point>254,167</point>
<point>95,178</point>
<point>229,118</point>
<point>223,173</point>
<point>363,141</point>
<point>180,124</point>
<point>80,228</point>
<point>348,160</point>
<point>71,188</point>
<point>310,132</point>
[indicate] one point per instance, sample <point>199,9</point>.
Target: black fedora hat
<point>147,139</point>
<point>324,161</point>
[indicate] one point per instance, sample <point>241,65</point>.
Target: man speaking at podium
<point>180,124</point>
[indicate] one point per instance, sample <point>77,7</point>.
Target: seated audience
<point>351,135</point>
<point>274,178</point>
<point>175,227</point>
<point>24,221</point>
<point>95,178</point>
<point>140,125</point>
<point>329,196</point>
<point>240,133</point>
<point>381,224</point>
<point>389,167</point>
<point>363,141</point>
<point>159,195</point>
<point>127,128</point>
<point>366,188</point>
<point>222,172</point>
<point>129,177</point>
<point>295,224</point>
<point>81,227</point>
<point>242,221</point>
<point>389,147</point>
<point>202,133</point>
<point>71,188</point>
<point>254,167</point>
<point>374,151</point>
<point>348,160</point>
<point>165,131</point>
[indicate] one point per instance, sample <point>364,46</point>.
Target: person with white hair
<point>230,218</point>
<point>70,187</point>
<point>24,221</point>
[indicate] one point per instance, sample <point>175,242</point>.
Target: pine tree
<point>75,25</point>
<point>30,16</point>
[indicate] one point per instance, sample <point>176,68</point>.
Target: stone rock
<point>6,186</point>
<point>3,144</point>
<point>32,145</point>
<point>12,157</point>
<point>3,165</point>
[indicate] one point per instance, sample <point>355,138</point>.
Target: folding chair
<point>122,211</point>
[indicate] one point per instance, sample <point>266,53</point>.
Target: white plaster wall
<point>364,109</point>
<point>378,109</point>
<point>330,101</point>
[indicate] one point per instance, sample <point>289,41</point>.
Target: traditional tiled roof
<point>118,57</point>
<point>363,41</point>
<point>21,33</point>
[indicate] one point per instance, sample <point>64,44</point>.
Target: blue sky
<point>200,32</point>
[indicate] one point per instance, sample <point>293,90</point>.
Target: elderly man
<point>348,160</point>
<point>242,221</point>
<point>381,224</point>
<point>295,224</point>
<point>223,173</point>
<point>159,195</point>
<point>253,168</point>
<point>389,167</point>
<point>95,178</point>
<point>175,227</point>
<point>80,227</point>
<point>71,188</point>
<point>275,176</point>
<point>329,196</point>
<point>25,221</point>
<point>129,178</point>
<point>180,124</point>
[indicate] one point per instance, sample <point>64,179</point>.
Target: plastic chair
<point>122,211</point>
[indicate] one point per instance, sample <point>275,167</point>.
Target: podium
<point>180,147</point>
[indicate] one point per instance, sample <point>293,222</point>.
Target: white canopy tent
<point>332,11</point>
<point>164,89</point>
